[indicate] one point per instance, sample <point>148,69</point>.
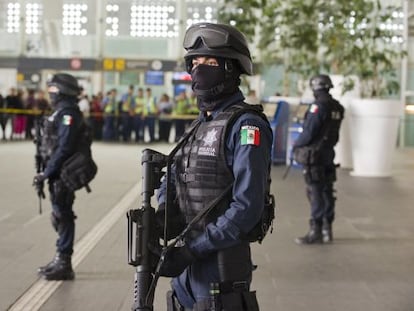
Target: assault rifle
<point>40,165</point>
<point>141,232</point>
<point>287,170</point>
<point>141,226</point>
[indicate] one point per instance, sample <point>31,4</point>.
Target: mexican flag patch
<point>313,108</point>
<point>67,119</point>
<point>250,135</point>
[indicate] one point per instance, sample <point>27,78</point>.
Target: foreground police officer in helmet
<point>314,149</point>
<point>229,147</point>
<point>59,142</point>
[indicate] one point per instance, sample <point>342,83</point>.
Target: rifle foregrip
<point>142,283</point>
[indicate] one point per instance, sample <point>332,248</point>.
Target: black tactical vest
<point>49,136</point>
<point>333,123</point>
<point>201,168</point>
<point>50,133</point>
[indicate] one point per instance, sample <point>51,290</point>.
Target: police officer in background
<point>59,142</point>
<point>225,155</point>
<point>320,135</point>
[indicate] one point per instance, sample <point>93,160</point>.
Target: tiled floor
<point>369,267</point>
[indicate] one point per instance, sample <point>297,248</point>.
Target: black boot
<point>314,236</point>
<point>59,269</point>
<point>327,232</point>
<point>48,266</point>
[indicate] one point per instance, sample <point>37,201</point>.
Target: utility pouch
<point>78,171</point>
<point>314,174</point>
<point>259,231</point>
<point>307,155</point>
<point>234,264</point>
<point>239,301</point>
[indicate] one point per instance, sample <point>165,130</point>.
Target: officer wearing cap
<point>320,135</point>
<point>225,156</point>
<point>59,142</point>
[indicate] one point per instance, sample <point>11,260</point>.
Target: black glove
<point>175,222</point>
<point>176,260</point>
<point>38,183</point>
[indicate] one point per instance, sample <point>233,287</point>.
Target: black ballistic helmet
<point>320,82</point>
<point>217,40</point>
<point>65,83</point>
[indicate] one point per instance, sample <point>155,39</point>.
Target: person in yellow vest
<point>165,107</point>
<point>193,109</point>
<point>139,115</point>
<point>110,109</point>
<point>127,111</point>
<point>150,113</point>
<point>181,108</point>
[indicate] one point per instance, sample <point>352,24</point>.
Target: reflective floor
<point>370,265</point>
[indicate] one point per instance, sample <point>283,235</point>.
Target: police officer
<point>320,133</point>
<point>225,155</point>
<point>59,142</point>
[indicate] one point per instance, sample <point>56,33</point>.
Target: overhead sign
<point>120,64</point>
<point>108,64</point>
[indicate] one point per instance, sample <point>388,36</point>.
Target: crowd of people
<point>113,117</point>
<point>20,109</point>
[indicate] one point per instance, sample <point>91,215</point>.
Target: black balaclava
<point>320,93</point>
<point>56,97</point>
<point>212,84</point>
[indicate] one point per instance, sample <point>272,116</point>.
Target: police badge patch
<point>209,147</point>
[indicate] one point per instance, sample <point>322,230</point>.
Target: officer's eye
<point>204,61</point>
<point>212,62</point>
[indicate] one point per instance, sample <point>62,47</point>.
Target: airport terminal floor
<point>369,267</point>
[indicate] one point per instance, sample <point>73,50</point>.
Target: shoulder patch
<point>250,135</point>
<point>313,108</point>
<point>67,119</point>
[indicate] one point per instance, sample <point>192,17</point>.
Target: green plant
<point>360,39</point>
<point>347,37</point>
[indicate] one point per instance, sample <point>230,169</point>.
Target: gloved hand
<point>176,260</point>
<point>175,222</point>
<point>38,183</point>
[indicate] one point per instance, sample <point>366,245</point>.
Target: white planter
<point>343,150</point>
<point>374,129</point>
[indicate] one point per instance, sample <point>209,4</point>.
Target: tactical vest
<point>50,133</point>
<point>201,167</point>
<point>330,131</point>
<point>315,154</point>
<point>49,137</point>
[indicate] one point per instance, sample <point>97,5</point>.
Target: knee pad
<point>59,221</point>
